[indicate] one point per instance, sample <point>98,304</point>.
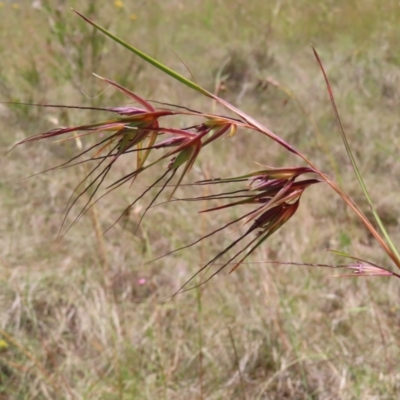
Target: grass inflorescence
<point>87,316</point>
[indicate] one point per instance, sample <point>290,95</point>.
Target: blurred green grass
<point>77,326</point>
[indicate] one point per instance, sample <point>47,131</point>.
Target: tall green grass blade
<point>354,164</point>
<point>147,58</point>
<point>346,255</point>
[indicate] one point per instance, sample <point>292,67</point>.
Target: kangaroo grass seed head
<point>361,269</point>
<point>274,192</point>
<point>271,196</point>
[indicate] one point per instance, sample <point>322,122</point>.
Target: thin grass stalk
<point>298,362</point>
<point>160,349</point>
<point>237,362</point>
<point>94,216</point>
<point>199,294</point>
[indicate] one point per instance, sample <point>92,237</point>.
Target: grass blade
<point>353,161</point>
<point>147,58</point>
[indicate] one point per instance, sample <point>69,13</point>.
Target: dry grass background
<point>77,321</point>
